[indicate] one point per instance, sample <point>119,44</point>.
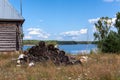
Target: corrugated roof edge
<point>16,11</point>
<point>12,20</point>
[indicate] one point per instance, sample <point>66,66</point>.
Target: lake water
<point>74,48</point>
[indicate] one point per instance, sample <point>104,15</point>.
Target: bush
<point>108,40</point>
<point>111,43</point>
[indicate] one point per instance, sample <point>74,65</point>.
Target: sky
<point>64,19</point>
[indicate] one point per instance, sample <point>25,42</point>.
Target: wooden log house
<point>10,27</point>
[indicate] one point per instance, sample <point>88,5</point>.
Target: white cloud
<point>92,21</point>
<point>113,20</point>
<point>74,33</point>
<point>70,33</point>
<point>37,33</point>
<point>109,21</point>
<point>28,37</point>
<point>43,35</point>
<point>34,32</point>
<point>59,38</point>
<point>83,31</point>
<point>36,29</point>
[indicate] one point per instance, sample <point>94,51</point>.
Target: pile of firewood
<point>43,53</point>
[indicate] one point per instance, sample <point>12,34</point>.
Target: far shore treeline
<point>55,42</point>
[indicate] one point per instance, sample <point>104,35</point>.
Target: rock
<point>43,53</point>
<point>84,59</point>
<point>18,61</point>
<point>31,64</point>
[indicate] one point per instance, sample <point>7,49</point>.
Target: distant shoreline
<point>34,42</point>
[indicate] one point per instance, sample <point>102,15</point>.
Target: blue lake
<point>74,48</point>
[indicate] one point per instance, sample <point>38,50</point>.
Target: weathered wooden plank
<point>3,27</point>
<point>7,39</point>
<point>10,41</point>
<point>2,47</point>
<point>8,27</point>
<point>7,49</point>
<point>7,32</point>
<point>7,43</point>
<point>8,36</point>
<point>10,44</point>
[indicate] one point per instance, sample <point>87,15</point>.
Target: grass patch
<point>99,67</point>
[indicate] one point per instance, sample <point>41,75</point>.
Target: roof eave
<point>13,20</point>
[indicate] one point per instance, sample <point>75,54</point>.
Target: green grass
<point>99,67</point>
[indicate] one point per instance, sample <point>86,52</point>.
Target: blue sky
<point>64,19</point>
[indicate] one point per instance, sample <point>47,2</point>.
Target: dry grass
<point>99,67</point>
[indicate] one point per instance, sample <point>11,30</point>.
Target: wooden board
<point>8,38</point>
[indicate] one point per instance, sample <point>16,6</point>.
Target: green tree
<point>102,30</point>
<point>111,43</point>
<point>108,40</point>
<point>117,22</point>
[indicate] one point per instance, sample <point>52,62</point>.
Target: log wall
<point>10,37</point>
